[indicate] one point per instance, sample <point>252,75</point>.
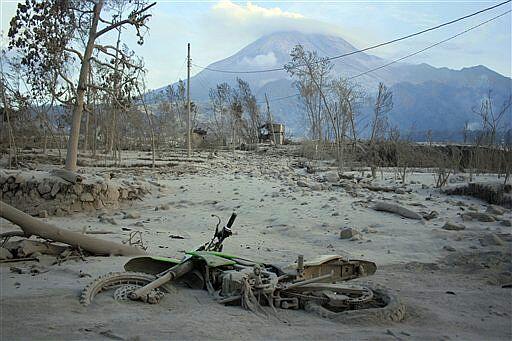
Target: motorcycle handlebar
<point>231,220</point>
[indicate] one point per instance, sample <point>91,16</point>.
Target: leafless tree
<point>252,120</point>
<point>344,99</point>
<point>312,79</point>
<point>491,119</point>
<point>55,35</point>
<point>379,123</point>
<point>220,104</point>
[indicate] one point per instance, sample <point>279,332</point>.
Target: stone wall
<point>493,193</point>
<point>40,193</point>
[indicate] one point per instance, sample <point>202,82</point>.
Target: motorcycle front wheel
<point>122,283</point>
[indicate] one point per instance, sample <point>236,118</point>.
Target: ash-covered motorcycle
<point>319,285</point>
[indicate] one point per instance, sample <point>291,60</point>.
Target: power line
<point>367,48</point>
<point>411,54</point>
<point>430,46</point>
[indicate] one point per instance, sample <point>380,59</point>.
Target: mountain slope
<point>425,97</point>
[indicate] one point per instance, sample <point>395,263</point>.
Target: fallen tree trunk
<point>379,188</point>
<point>67,175</point>
<point>33,226</point>
<point>397,209</point>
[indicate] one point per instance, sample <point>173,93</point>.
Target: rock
<point>397,209</point>
<point>506,222</point>
<point>132,215</point>
<point>449,248</point>
<point>348,233</point>
<point>98,204</point>
<point>43,214</point>
<point>44,188</point>
<point>315,186</point>
<point>87,197</point>
<point>453,226</point>
<point>55,189</point>
<point>112,192</point>
<point>109,220</point>
<point>400,191</point>
<point>19,179</point>
<point>356,237</point>
<point>457,179</point>
<point>491,240</point>
<point>301,183</point>
<point>431,215</point>
<point>77,189</point>
<point>369,230</point>
<point>165,207</point>
<point>480,216</point>
<point>495,209</point>
<point>331,177</point>
<point>5,254</point>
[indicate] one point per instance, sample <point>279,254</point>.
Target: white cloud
<point>250,11</point>
<point>262,60</point>
<point>255,21</point>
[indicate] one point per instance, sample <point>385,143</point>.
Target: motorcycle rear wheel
<point>384,306</point>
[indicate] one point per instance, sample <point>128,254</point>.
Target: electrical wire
<point>367,48</point>
<point>429,47</point>
<point>411,54</point>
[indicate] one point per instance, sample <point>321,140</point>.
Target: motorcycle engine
<point>233,280</point>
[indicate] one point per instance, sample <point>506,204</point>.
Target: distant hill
<point>425,97</point>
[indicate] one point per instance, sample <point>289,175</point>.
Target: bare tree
<point>491,119</point>
<point>141,90</point>
<point>344,97</point>
<point>465,132</point>
<point>220,104</point>
<point>55,35</point>
<point>379,123</point>
<point>252,121</point>
<point>312,79</point>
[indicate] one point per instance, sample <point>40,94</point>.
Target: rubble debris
<point>479,216</point>
<point>15,260</point>
<point>301,183</point>
<point>29,247</point>
<point>67,175</point>
<point>374,188</point>
<point>495,210</point>
<point>431,215</point>
<point>492,192</point>
<point>453,226</point>
<point>348,233</point>
<point>5,254</point>
<point>40,194</point>
<point>108,220</point>
<point>33,226</point>
<point>491,239</point>
<point>506,222</point>
<point>397,209</point>
<point>131,215</point>
<point>332,177</point>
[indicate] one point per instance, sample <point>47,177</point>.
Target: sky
<point>218,29</point>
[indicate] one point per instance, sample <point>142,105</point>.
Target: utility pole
<point>270,121</point>
<point>189,144</point>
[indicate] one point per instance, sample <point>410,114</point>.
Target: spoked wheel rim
<point>122,283</point>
